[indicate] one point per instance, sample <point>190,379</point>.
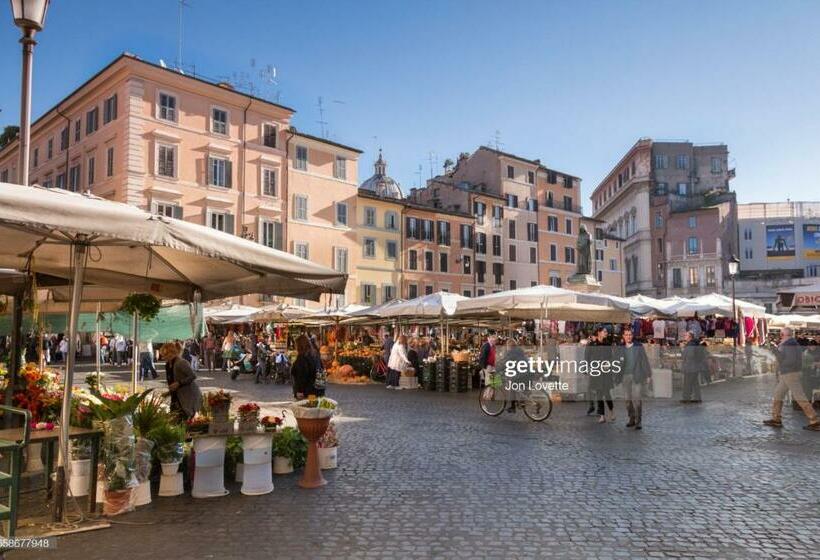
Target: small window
<point>50,148</point>
<point>91,170</point>
<point>341,213</point>
<point>682,162</point>
<point>710,276</point>
<point>269,135</point>
<point>269,182</point>
<point>368,294</point>
<point>661,161</point>
<point>219,172</point>
<point>513,254</point>
<point>391,250</point>
<point>301,250</point>
<point>694,277</point>
<point>300,207</point>
<point>693,222</point>
<point>109,162</point>
<point>77,130</point>
<point>74,178</point>
<point>272,234</point>
<point>412,259</point>
<point>168,210</point>
<point>370,216</point>
<point>658,219</point>
<point>166,160</point>
<point>511,228</point>
<point>428,261</point>
<point>219,121</point>
<point>340,259</point>
<point>92,119</point>
<point>391,221</point>
<point>533,255</point>
<point>369,248</point>
<point>692,245</point>
<point>683,189</point>
<point>35,157</point>
<point>428,289</point>
<point>717,165</point>
<point>443,262</point>
<point>167,107</point>
<point>64,139</point>
<point>677,278</point>
<point>531,177</point>
<point>222,221</point>
<point>568,224</point>
<point>510,172</point>
<point>412,291</point>
<point>301,158</point>
<point>110,109</point>
<point>340,168</point>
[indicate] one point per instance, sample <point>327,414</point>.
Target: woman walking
<point>303,370</point>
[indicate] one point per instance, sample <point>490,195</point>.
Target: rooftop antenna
<point>322,122</point>
<point>496,140</point>
<point>432,158</point>
<point>181,5</point>
<point>419,173</point>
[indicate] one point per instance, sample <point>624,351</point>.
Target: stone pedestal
<point>585,283</point>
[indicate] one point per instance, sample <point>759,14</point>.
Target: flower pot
<point>257,480</point>
<point>171,485</point>
<point>282,465</point>
<point>328,457</point>
<point>209,482</point>
<point>34,463</point>
<point>313,428</point>
<point>80,477</point>
<point>117,502</point>
<point>142,493</point>
<point>248,425</point>
<point>240,472</point>
<point>169,469</point>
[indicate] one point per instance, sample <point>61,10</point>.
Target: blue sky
<point>572,83</point>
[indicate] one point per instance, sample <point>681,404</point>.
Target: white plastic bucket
<point>209,482</point>
<point>210,451</point>
<point>142,493</point>
<point>257,449</point>
<point>240,472</point>
<point>257,480</point>
<point>171,485</point>
<point>169,469</point>
<point>282,465</point>
<point>328,457</point>
<point>80,477</point>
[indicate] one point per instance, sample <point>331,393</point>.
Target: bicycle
<point>378,372</point>
<point>493,399</point>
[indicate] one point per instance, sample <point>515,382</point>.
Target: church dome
<point>380,183</point>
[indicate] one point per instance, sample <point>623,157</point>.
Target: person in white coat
<point>397,363</point>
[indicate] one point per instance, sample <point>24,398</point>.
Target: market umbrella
<point>91,240</point>
<point>232,314</point>
<point>438,304</point>
<point>716,304</point>
<point>794,321</point>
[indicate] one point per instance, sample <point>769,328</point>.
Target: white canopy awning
<point>716,304</point>
<point>548,302</point>
<point>431,305</point>
<point>229,315</point>
<point>136,251</point>
<point>807,297</point>
<point>794,321</point>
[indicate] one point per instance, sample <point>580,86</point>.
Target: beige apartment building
<point>188,148</point>
<point>523,211</point>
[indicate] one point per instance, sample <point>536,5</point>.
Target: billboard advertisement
<point>811,241</point>
<point>780,241</point>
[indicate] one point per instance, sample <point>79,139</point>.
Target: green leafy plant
<point>168,439</point>
<point>107,406</point>
<point>150,414</point>
<point>233,452</point>
<point>289,443</point>
<point>146,305</point>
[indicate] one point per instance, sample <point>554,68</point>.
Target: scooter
<point>243,365</point>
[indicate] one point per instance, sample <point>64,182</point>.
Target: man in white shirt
<point>120,345</point>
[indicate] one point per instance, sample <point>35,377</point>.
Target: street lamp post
<point>734,266</point>
<point>29,16</point>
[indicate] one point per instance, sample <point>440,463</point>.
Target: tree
<point>448,163</point>
<point>9,133</point>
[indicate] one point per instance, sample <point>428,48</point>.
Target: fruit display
<point>352,365</point>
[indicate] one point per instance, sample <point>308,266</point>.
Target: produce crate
<point>458,377</point>
<point>429,379</point>
<point>442,374</point>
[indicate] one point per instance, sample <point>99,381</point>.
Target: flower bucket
<point>256,449</point>
<point>142,493</point>
<point>170,469</point>
<point>80,477</point>
<point>117,502</point>
<point>282,465</point>
<point>34,463</point>
<point>257,480</point>
<point>328,457</point>
<point>210,451</point>
<point>171,485</point>
<point>240,472</point>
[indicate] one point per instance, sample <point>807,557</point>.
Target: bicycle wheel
<point>492,400</point>
<point>377,374</point>
<point>537,406</point>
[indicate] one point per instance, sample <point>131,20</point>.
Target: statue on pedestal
<point>583,262</point>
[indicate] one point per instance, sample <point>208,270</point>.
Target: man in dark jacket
<point>695,360</point>
<point>486,358</point>
<point>636,373</point>
<point>789,356</point>
<point>599,351</point>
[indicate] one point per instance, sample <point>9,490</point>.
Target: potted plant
<point>313,417</point>
<point>146,306</point>
<point>289,450</point>
<point>328,448</point>
<point>248,415</point>
<point>168,441</point>
<point>271,423</point>
<point>233,457</point>
<point>219,404</point>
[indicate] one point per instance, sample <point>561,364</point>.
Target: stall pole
<point>737,327</point>
<point>16,344</point>
<point>97,343</point>
<point>135,352</point>
<point>80,249</point>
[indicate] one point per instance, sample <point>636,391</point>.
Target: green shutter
<point>229,174</point>
<point>229,223</point>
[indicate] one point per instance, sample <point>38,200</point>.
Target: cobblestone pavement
<point>427,475</point>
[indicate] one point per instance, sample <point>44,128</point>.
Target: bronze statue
<point>583,263</point>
